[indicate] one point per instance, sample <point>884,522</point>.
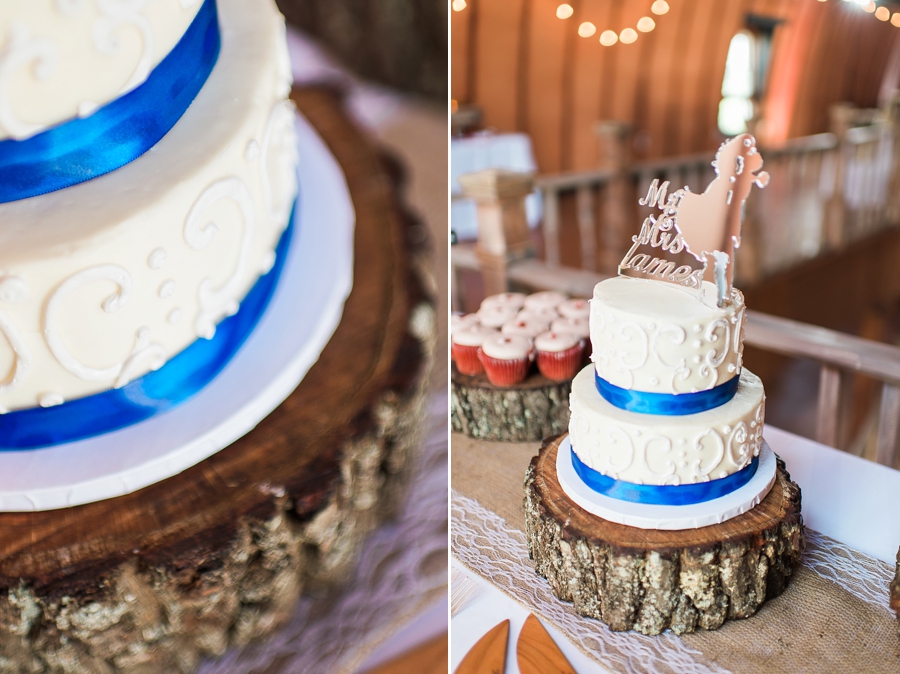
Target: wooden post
<point>841,115</point>
<point>503,235</point>
<point>614,153</point>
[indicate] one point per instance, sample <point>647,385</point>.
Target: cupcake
<point>464,346</point>
<point>574,309</point>
<point>546,299</point>
<point>529,328</point>
<point>542,314</point>
<point>580,327</point>
<point>559,354</point>
<point>506,359</point>
<point>514,300</point>
<point>495,316</point>
<point>460,322</point>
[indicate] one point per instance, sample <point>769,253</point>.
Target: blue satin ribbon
<point>176,381</point>
<point>120,131</point>
<point>666,403</point>
<point>669,494</point>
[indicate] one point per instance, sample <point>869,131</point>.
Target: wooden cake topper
<point>707,226</point>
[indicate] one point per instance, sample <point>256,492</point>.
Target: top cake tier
<point>660,338</point>
<point>61,59</point>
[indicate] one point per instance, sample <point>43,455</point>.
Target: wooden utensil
<point>488,656</point>
<point>537,653</point>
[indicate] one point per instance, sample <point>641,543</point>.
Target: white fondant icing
<point>268,262</point>
<point>277,158</point>
<point>157,259</point>
<point>166,288</point>
<point>218,302</point>
<point>252,150</point>
<point>640,335</point>
<point>20,354</point>
<point>50,399</point>
<point>174,316</point>
<point>13,289</point>
<point>635,447</point>
<point>60,59</point>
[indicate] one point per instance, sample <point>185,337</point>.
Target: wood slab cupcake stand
<point>530,411</point>
<point>218,555</point>
<point>649,580</point>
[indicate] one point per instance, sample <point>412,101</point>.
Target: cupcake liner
<point>561,365</point>
<point>466,358</point>
<point>501,372</point>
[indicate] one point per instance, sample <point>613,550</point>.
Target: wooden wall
<point>529,71</point>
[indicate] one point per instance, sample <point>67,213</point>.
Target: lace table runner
<point>834,616</point>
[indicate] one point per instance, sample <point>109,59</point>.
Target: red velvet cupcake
<point>559,354</point>
<point>506,359</point>
<point>464,345</point>
<point>574,309</point>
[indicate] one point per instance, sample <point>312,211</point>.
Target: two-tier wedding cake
<point>663,507</point>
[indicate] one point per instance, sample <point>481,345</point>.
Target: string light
<point>895,20</point>
<point>459,5</point>
<point>646,24</point>
<point>869,6</point>
<point>587,29</point>
<point>628,35</point>
<point>564,11</point>
<point>883,14</point>
<point>608,38</point>
<point>660,7</point>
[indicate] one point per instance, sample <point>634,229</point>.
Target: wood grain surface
<point>531,410</point>
<point>428,658</point>
<point>648,580</point>
<point>488,655</point>
<point>537,653</point>
<point>217,555</point>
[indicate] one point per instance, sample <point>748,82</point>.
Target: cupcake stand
<point>150,548</point>
<point>529,411</point>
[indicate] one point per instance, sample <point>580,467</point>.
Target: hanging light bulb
<point>628,35</point>
<point>895,20</point>
<point>646,24</point>
<point>564,11</point>
<point>659,7</point>
<point>587,29</point>
<point>883,14</point>
<point>608,38</point>
<point>869,6</point>
<point>459,5</point>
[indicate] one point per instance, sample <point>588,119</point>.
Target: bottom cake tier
<point>656,449</point>
<point>652,580</point>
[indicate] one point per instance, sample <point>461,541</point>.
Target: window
<point>736,106</point>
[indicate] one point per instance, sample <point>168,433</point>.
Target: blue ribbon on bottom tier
<point>668,404</point>
<point>120,131</point>
<point>667,494</point>
<point>176,381</point>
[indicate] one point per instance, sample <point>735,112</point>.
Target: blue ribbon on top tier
<point>667,494</point>
<point>181,377</point>
<point>120,131</point>
<point>669,404</point>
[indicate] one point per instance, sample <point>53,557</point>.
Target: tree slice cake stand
<point>650,580</point>
<point>895,589</point>
<point>217,555</point>
<point>530,411</point>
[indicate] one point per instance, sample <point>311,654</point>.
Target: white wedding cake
<point>666,416</point>
<point>147,174</point>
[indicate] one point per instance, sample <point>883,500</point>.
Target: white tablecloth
<point>511,151</point>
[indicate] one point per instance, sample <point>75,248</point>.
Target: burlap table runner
<point>834,616</point>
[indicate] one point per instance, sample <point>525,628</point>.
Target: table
<point>834,616</point>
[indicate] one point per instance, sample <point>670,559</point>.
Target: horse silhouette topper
<point>707,225</point>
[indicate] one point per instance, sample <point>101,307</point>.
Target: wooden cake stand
<point>218,555</point>
<point>895,589</point>
<point>527,412</point>
<point>650,580</point>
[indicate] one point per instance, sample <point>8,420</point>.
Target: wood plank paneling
<point>533,73</point>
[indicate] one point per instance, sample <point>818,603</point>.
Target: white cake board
<point>668,518</point>
<point>301,317</point>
